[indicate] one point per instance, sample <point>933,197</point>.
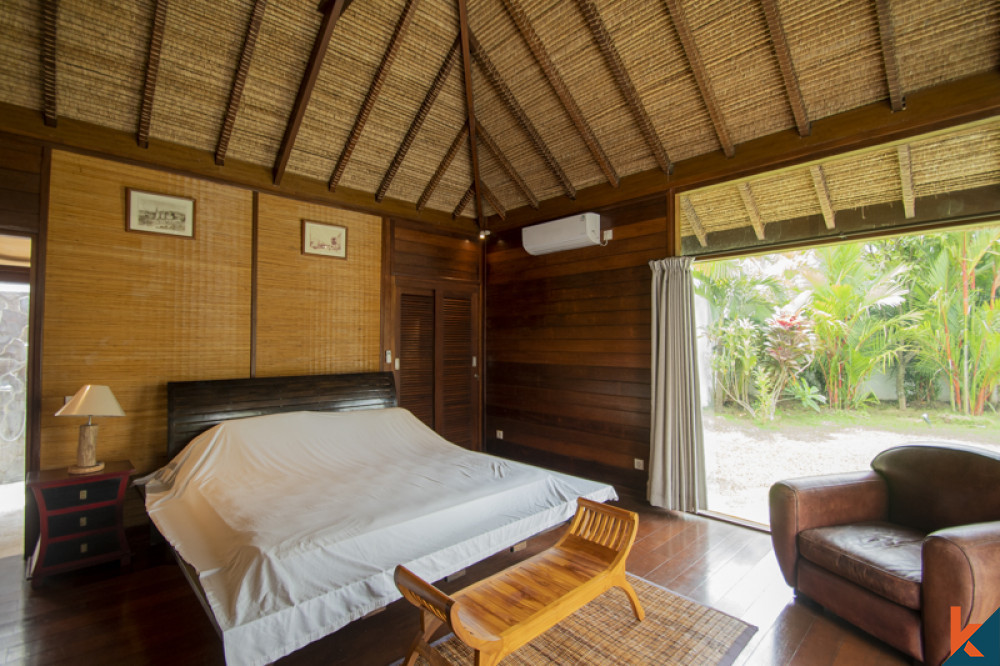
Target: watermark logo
<point>974,643</point>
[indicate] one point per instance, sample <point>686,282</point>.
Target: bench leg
<point>633,599</point>
<point>420,643</point>
<point>488,658</point>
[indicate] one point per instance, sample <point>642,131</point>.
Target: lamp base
<point>89,469</point>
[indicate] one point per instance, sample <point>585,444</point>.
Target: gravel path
<point>742,461</point>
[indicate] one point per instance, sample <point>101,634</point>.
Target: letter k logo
<point>960,635</point>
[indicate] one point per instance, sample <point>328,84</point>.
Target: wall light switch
<point>499,434</point>
<point>640,463</point>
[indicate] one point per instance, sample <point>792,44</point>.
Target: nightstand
<point>80,517</point>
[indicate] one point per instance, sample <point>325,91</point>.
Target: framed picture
<point>159,214</point>
<point>327,240</point>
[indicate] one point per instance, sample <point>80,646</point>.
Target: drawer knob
<point>83,494</point>
<point>83,548</point>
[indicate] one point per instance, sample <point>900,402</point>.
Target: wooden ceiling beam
<point>614,62</point>
<point>497,206</point>
<point>464,201</point>
<point>507,95</point>
<point>823,194</point>
<point>418,120</point>
<point>939,107</point>
<point>906,180</point>
<point>700,75</point>
<point>753,212</point>
<point>887,36</point>
<point>443,166</point>
<point>534,42</point>
<point>507,167</point>
<point>784,56</point>
<point>692,217</point>
<point>119,145</point>
<point>239,80</point>
<point>152,71</point>
<point>50,19</point>
<point>409,9</point>
<point>465,36</point>
<point>332,11</point>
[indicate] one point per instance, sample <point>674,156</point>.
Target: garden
<point>818,359</point>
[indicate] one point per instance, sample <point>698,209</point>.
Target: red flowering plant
<point>789,343</point>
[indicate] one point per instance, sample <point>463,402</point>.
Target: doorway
<point>15,297</point>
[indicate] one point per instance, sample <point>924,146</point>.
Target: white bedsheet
<point>295,522</point>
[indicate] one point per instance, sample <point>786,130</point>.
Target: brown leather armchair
<point>892,549</point>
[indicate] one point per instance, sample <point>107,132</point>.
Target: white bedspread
<point>295,522</point>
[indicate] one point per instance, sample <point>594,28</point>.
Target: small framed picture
<point>327,240</point>
<point>159,214</point>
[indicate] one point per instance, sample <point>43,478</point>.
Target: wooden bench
<point>501,613</point>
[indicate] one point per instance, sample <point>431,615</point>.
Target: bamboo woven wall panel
<point>135,310</point>
<point>316,314</point>
<point>20,61</point>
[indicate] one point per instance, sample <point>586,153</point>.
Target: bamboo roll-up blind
<point>135,310</point>
<point>316,314</point>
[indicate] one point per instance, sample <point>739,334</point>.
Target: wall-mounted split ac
<point>567,233</point>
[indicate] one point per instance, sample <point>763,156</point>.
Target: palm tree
<point>850,307</point>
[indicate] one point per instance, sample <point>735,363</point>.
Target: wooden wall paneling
<point>316,314</point>
<point>135,310</point>
<point>434,255</point>
<point>567,350</point>
<point>20,184</point>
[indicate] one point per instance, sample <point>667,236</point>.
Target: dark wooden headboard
<point>194,407</point>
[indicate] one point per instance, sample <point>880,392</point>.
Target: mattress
<point>295,522</point>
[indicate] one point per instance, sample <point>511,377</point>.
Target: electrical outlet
<point>639,463</point>
<point>609,234</point>
<point>499,434</point>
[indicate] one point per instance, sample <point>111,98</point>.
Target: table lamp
<point>90,401</point>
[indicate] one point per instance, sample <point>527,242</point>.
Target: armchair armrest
<point>820,501</point>
<point>961,567</point>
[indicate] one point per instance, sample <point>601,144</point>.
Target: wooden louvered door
<point>415,379</point>
<point>437,375</point>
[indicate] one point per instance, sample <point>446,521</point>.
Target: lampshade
<point>92,400</point>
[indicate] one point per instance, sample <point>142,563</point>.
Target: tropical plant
<point>850,307</point>
<point>788,344</point>
<point>958,332</point>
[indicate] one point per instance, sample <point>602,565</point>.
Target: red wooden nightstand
<point>80,517</point>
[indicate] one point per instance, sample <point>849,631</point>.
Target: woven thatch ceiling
<point>565,95</point>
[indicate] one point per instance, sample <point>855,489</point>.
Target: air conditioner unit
<point>566,233</point>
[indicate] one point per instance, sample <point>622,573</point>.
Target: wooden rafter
<point>887,36</point>
<point>614,62</point>
<point>373,92</point>
<point>692,216</point>
<point>152,71</point>
<point>493,76</point>
<point>50,19</point>
<point>464,201</point>
<point>239,80</point>
<point>443,166</point>
<point>534,42</point>
<point>332,12</point>
<point>507,167</point>
<point>906,180</point>
<point>418,120</point>
<point>497,206</point>
<point>784,56</point>
<point>823,194</point>
<point>700,75</point>
<point>465,36</point>
<point>752,210</point>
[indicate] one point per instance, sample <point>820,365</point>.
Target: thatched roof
<point>564,95</point>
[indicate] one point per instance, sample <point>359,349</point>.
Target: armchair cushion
<point>878,556</point>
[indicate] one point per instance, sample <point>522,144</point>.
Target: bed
<point>296,497</point>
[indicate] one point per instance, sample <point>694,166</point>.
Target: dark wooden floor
<point>146,614</point>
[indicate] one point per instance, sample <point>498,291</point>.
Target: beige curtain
<point>676,456</point>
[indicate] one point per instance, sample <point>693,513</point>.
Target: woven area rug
<point>676,631</point>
